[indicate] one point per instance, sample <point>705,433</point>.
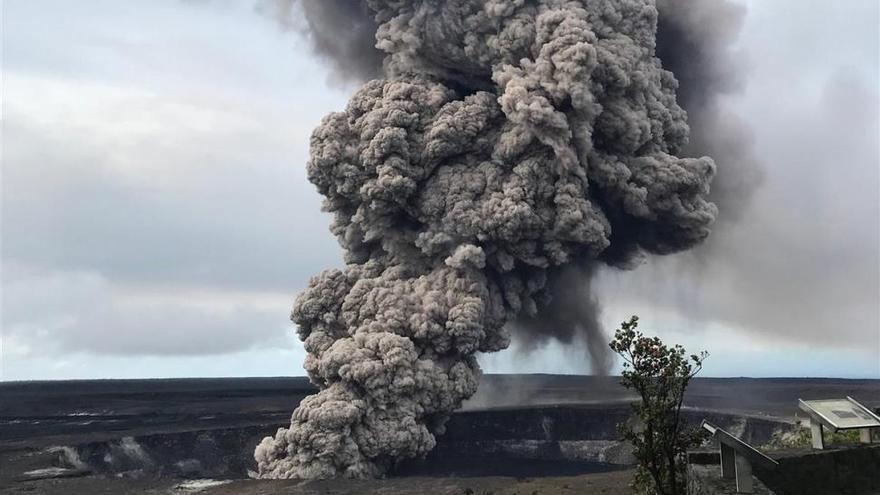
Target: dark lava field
<point>521,434</point>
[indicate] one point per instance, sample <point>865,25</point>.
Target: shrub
<point>801,437</point>
<point>660,375</point>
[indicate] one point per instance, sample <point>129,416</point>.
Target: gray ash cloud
<point>696,41</point>
<point>509,148</point>
<point>341,32</point>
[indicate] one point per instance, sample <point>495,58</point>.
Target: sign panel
<point>842,414</point>
<point>741,447</point>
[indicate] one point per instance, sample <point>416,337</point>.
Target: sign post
<point>836,415</point>
<point>737,458</point>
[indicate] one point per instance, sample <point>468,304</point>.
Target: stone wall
<point>843,470</point>
<point>705,479</point>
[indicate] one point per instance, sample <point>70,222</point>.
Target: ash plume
<point>570,316</point>
<point>695,40</point>
<point>342,32</point>
<point>510,147</point>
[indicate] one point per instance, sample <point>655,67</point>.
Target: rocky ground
<point>616,482</point>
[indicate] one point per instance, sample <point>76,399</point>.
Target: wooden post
<point>865,435</point>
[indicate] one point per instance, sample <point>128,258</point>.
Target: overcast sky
<point>156,218</point>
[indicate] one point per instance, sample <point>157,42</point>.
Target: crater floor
<point>523,434</point>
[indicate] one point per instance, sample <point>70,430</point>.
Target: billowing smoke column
<point>510,144</point>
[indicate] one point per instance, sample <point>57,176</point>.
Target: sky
<point>157,221</point>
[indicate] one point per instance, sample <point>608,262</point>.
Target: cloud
<point>146,156</point>
<point>166,192</point>
<point>64,312</point>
